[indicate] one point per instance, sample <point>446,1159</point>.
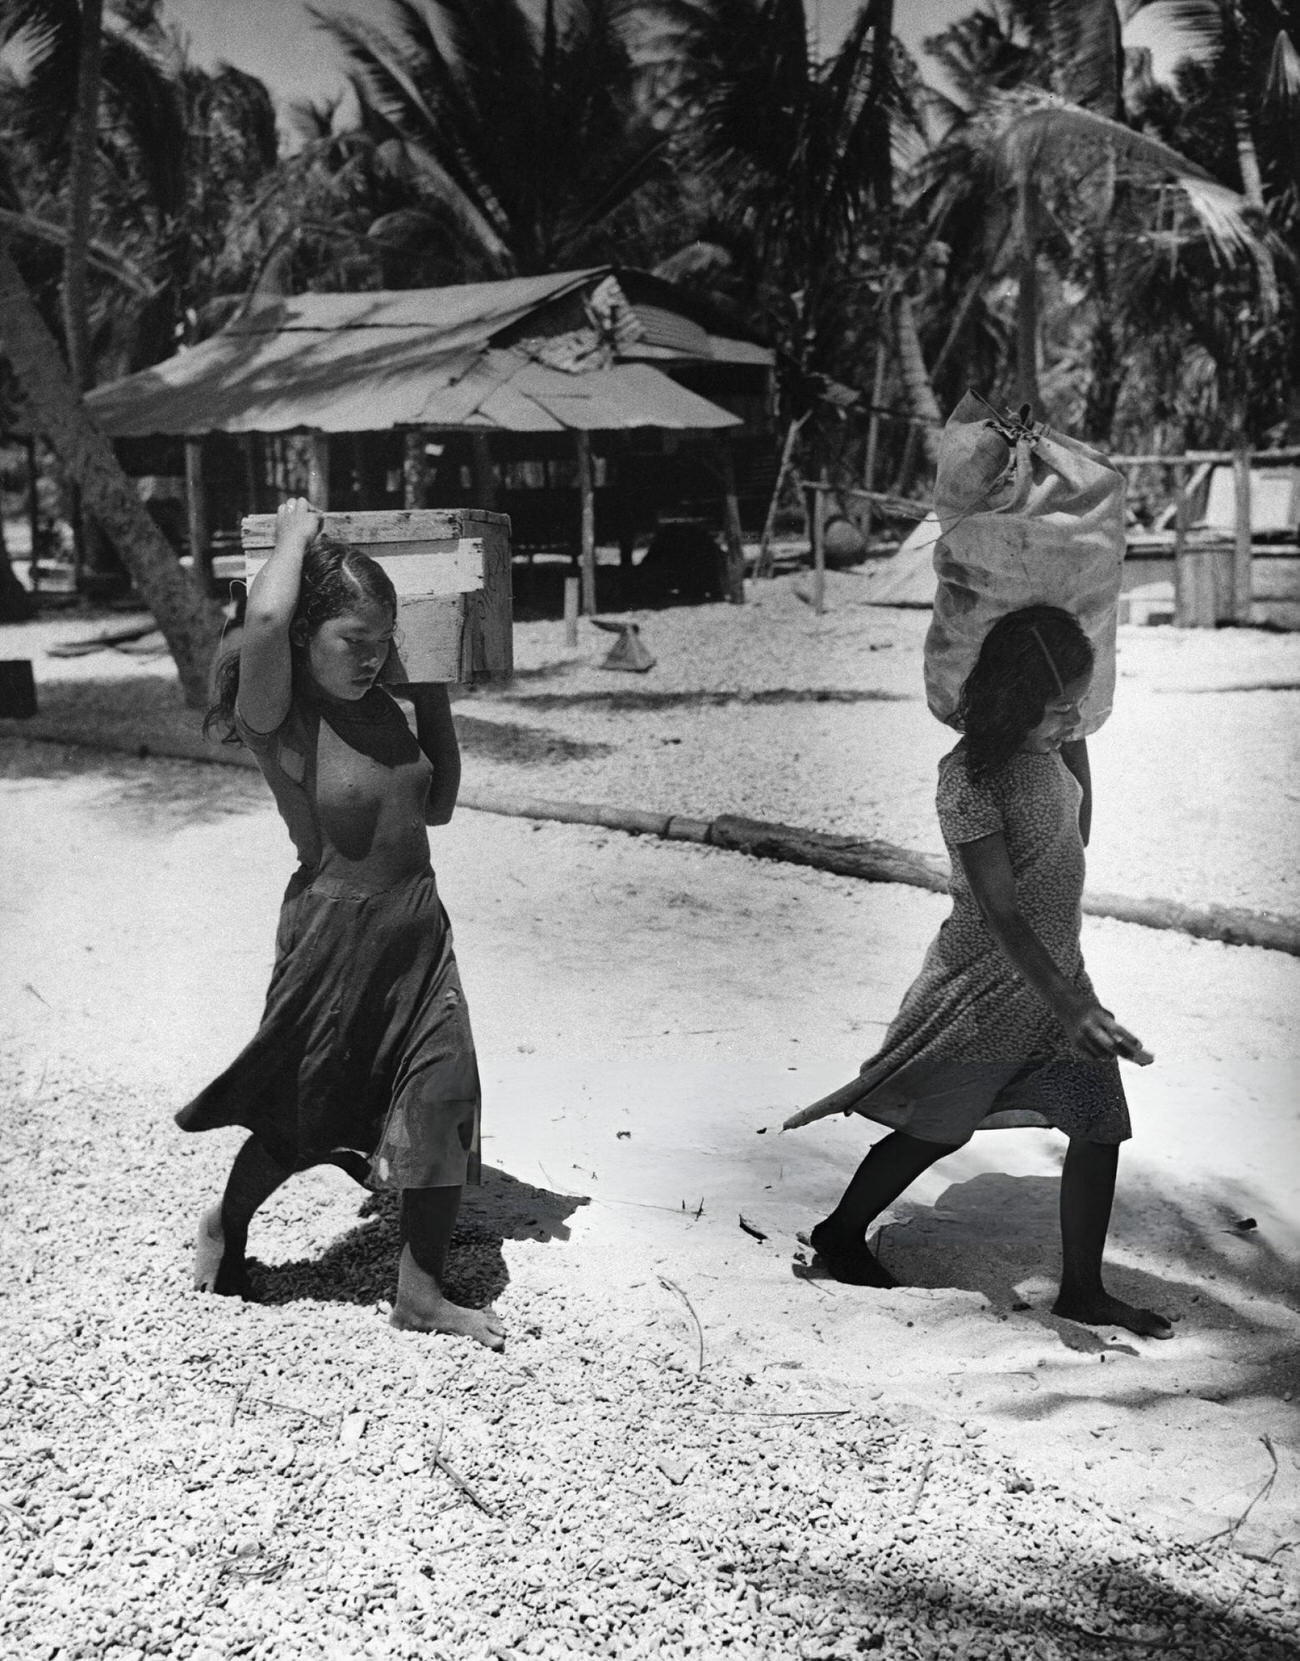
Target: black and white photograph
<point>649,809</point>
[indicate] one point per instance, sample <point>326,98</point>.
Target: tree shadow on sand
<point>361,1267</point>
<point>1098,1608</point>
<point>622,700</point>
<point>513,741</point>
<point>145,791</point>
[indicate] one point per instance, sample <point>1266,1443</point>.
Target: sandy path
<point>691,999</point>
<point>688,998</point>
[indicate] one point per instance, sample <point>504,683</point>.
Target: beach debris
<point>751,1228</point>
<point>629,651</point>
<point>672,1286</point>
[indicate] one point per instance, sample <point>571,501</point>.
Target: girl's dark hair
<point>1005,694</point>
<point>335,576</point>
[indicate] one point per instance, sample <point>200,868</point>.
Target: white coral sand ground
<point>689,1447</point>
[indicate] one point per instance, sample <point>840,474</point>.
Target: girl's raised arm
<point>1094,1031</point>
<point>437,738</point>
<point>265,660</point>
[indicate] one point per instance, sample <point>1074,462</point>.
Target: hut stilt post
<point>196,513</point>
<point>587,499</point>
<point>734,585</point>
<point>1242,577</point>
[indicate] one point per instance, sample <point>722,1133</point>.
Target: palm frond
<point>1284,69</point>
<point>1087,53</point>
<point>1186,28</point>
<point>1041,131</point>
<point>125,273</point>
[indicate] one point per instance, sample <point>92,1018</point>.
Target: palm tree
<point>792,152</point>
<point>511,141</point>
<point>189,622</point>
<point>789,156</point>
<point>1233,106</point>
<point>59,37</point>
<point>1066,192</point>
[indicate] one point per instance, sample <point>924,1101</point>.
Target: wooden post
<point>415,469</point>
<point>247,463</point>
<point>873,437</point>
<point>1238,608</point>
<point>318,471</point>
<point>1184,613</point>
<point>587,496</point>
<point>819,545</point>
<point>734,586</point>
<point>485,477</point>
<point>570,611</point>
<point>766,566</point>
<point>196,512</point>
<point>33,514</point>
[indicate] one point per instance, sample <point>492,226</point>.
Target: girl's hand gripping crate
<point>451,570</point>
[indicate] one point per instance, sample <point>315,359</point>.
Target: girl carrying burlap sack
<point>1002,1026</point>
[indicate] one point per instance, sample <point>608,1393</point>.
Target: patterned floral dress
<point>974,1046</point>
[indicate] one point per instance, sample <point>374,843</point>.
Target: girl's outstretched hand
<point>296,521</point>
<point>1096,1033</point>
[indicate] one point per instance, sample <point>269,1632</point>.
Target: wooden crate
<point>451,570</point>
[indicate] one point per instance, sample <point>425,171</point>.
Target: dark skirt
<point>365,1045</point>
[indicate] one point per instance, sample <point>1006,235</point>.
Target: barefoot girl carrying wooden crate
<point>364,1057</point>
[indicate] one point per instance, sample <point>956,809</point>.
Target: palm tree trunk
<point>190,622</point>
<point>97,567</point>
<point>1252,183</point>
<point>81,187</point>
<point>1105,367</point>
<point>917,390</point>
<point>1027,307</point>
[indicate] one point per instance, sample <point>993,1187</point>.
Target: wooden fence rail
<point>1204,594</point>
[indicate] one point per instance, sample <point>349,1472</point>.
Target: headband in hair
<point>1042,646</point>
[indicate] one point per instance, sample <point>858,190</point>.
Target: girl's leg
<point>890,1167</point>
<point>428,1217</point>
<point>219,1264</point>
<point>1087,1192</point>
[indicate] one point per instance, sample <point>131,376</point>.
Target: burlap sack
<point>1028,517</point>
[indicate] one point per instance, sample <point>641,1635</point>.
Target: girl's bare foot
<point>421,1307</point>
<point>1100,1309</point>
<point>215,1268</point>
<point>850,1261</point>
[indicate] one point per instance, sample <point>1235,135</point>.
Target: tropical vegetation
<point>1025,206</point>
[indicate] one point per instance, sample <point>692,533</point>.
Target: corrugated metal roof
<point>486,308</point>
<point>419,358</point>
<point>720,350</point>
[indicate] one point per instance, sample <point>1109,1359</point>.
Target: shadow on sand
<point>147,790</point>
<point>1099,1608</point>
<point>998,1235</point>
<point>511,741</point>
<point>622,699</point>
<point>361,1267</point>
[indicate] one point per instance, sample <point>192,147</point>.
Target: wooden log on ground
<point>846,855</point>
<point>1228,924</point>
<point>635,820</point>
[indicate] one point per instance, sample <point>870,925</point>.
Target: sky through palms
<point>278,43</point>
